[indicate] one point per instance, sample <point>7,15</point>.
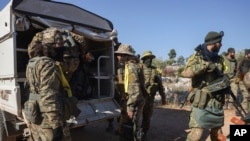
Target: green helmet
<point>213,37</point>
<point>125,49</point>
<point>147,54</point>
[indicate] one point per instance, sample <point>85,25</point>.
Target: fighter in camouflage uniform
<point>230,64</point>
<point>203,67</point>
<point>133,99</point>
<point>153,83</point>
<point>44,80</point>
<point>242,68</point>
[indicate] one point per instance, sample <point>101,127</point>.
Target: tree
<point>159,63</point>
<point>180,60</point>
<point>171,55</point>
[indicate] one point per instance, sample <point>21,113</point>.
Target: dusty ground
<point>169,123</point>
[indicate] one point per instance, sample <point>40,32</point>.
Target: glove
<point>210,66</point>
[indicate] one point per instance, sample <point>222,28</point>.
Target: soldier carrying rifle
<point>206,106</point>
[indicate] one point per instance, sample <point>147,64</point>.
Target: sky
<point>162,25</point>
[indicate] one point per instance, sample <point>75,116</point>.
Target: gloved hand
<point>210,66</point>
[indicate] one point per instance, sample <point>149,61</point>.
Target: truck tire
<point>3,135</point>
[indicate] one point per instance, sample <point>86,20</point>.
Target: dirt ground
<point>169,123</point>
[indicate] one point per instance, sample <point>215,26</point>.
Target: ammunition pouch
<point>32,109</point>
<point>199,98</point>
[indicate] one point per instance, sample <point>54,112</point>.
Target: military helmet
<point>125,49</point>
<point>213,37</point>
<point>35,45</point>
<point>51,35</point>
<point>147,54</point>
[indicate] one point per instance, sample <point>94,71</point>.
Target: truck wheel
<point>3,135</point>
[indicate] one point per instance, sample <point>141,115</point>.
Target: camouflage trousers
<point>197,132</point>
<point>48,134</point>
<point>125,123</point>
<point>147,113</point>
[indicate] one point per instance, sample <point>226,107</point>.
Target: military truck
<point>20,21</point>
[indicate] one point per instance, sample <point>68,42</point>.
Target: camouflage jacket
<point>199,68</point>
<point>44,79</point>
<point>135,85</point>
<point>153,82</point>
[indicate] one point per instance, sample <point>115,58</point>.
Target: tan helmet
<point>147,54</point>
<point>50,35</point>
<point>35,46</point>
<point>125,49</point>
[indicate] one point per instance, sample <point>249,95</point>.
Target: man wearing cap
<point>242,68</point>
<point>133,99</point>
<point>203,67</point>
<point>230,65</point>
<point>153,84</point>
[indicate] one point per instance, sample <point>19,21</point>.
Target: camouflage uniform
<point>203,67</point>
<point>152,84</point>
<point>44,80</point>
<point>230,70</point>
<point>242,68</point>
<point>133,96</point>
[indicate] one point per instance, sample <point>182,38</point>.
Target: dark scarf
<point>211,55</point>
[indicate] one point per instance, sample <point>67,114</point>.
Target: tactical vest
<point>31,107</point>
<point>31,78</point>
<point>207,77</point>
